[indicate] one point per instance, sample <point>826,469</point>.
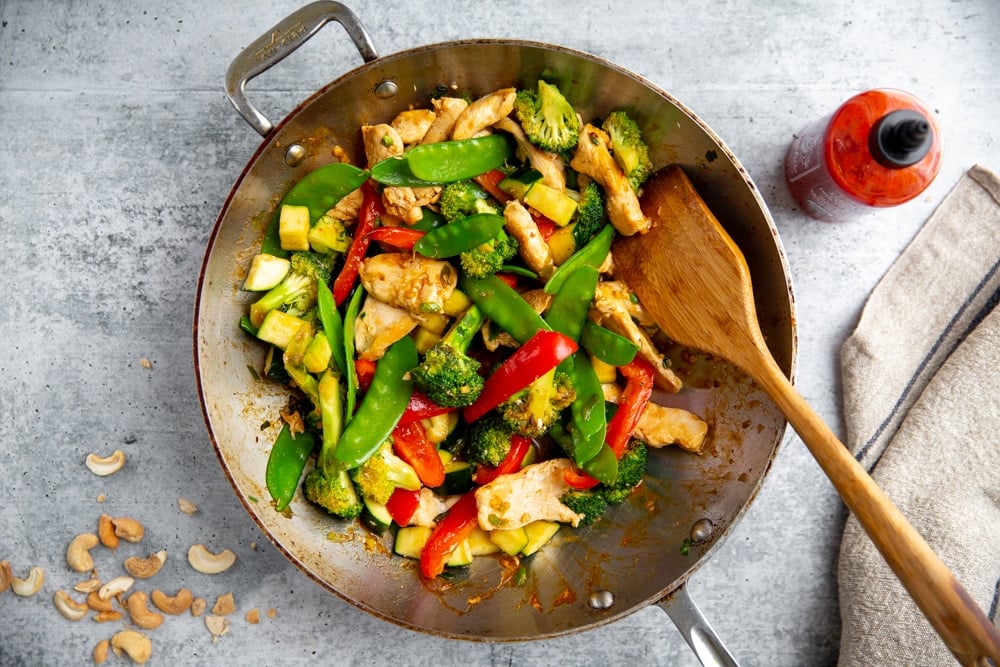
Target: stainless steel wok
<point>648,547</point>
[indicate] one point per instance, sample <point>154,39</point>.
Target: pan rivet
<point>294,155</point>
<point>386,89</point>
<point>601,599</point>
<point>701,530</point>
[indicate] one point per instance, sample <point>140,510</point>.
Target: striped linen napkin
<point>921,383</point>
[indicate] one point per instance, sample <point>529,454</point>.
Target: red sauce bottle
<point>880,148</point>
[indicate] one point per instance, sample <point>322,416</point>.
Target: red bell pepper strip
<point>398,237</point>
<point>580,480</point>
<point>519,446</point>
<point>638,389</point>
<point>402,505</point>
<point>546,227</point>
<point>540,354</point>
<point>490,181</point>
<point>365,368</point>
<point>421,407</point>
<point>411,444</point>
<point>509,279</point>
<point>456,525</point>
<point>371,208</point>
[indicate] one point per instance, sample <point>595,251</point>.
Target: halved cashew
<point>101,651</point>
<point>106,531</point>
<point>6,575</point>
<point>108,616</point>
<point>136,645</point>
<point>141,614</point>
<point>207,562</point>
<point>88,586</point>
<point>172,605</point>
<point>224,605</point>
<point>116,586</point>
<point>68,607</point>
<point>186,506</point>
<point>106,465</point>
<point>217,625</point>
<point>78,552</point>
<point>95,602</point>
<point>128,529</point>
<point>144,568</point>
<point>29,585</point>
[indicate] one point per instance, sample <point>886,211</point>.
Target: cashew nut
<point>224,605</point>
<point>198,606</point>
<point>207,562</point>
<point>88,586</point>
<point>78,552</point>
<point>6,575</point>
<point>172,605</point>
<point>106,532</point>
<point>141,614</point>
<point>95,602</point>
<point>128,529</point>
<point>186,506</point>
<point>107,465</point>
<point>116,586</point>
<point>29,585</point>
<point>136,645</point>
<point>108,616</point>
<point>68,607</point>
<point>217,625</point>
<point>144,568</point>
<point>101,651</point>
<point>253,616</point>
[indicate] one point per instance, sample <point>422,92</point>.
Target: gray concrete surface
<point>117,148</point>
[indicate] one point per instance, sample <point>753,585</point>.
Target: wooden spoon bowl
<point>694,281</point>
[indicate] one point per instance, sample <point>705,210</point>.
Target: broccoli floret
<point>487,440</point>
<point>329,484</point>
<point>631,468</point>
<point>590,214</point>
<point>535,408</point>
<point>311,264</point>
<point>489,257</point>
<point>296,294</point>
<point>590,504</point>
<point>379,476</point>
<point>548,118</point>
<point>464,198</point>
<point>446,374</point>
<point>630,151</point>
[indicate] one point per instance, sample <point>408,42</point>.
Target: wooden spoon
<point>692,278</point>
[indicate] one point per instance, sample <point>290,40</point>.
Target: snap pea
<point>395,170</point>
<point>603,466</point>
<point>460,236</point>
<point>429,220</point>
<point>382,406</point>
<point>333,325</point>
<point>606,345</point>
<point>319,191</point>
<point>350,318</point>
<point>568,311</point>
<point>588,421</point>
<point>516,270</point>
<point>285,464</point>
<point>593,254</point>
<point>503,305</point>
<point>449,161</point>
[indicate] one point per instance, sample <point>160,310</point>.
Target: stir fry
<point>467,367</point>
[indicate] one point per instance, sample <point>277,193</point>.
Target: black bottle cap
<point>900,138</point>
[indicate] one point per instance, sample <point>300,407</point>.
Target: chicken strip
<point>429,507</point>
<point>412,282</point>
<point>381,142</point>
<point>617,289</point>
<point>484,113</point>
<point>551,166</point>
<point>531,494</point>
<point>378,326</point>
<point>538,299</point>
<point>447,110</point>
<point>660,426</point>
<point>593,158</point>
<point>348,207</point>
<point>612,311</point>
<point>533,248</point>
<point>413,124</point>
<point>405,203</point>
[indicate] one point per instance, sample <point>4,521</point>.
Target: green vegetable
<point>460,236</point>
<point>504,306</point>
<point>606,345</point>
<point>487,258</point>
<point>430,219</point>
<point>350,318</point>
<point>396,170</point>
<point>464,198</point>
<point>449,161</point>
<point>631,469</point>
<point>533,410</point>
<point>296,294</point>
<point>590,214</point>
<point>488,440</point>
<point>629,150</point>
<point>382,406</point>
<point>568,311</point>
<point>593,254</point>
<point>603,466</point>
<point>588,421</point>
<point>333,325</point>
<point>446,374</point>
<point>285,464</point>
<point>590,504</point>
<point>381,473</point>
<point>329,485</point>
<point>548,119</point>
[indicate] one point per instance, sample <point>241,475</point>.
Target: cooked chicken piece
<point>348,207</point>
<point>593,158</point>
<point>611,310</point>
<point>531,494</point>
<point>537,299</point>
<point>430,506</point>
<point>617,289</point>
<point>413,124</point>
<point>378,326</point>
<point>382,141</point>
<point>405,203</point>
<point>660,426</point>
<point>551,166</point>
<point>533,248</point>
<point>409,281</point>
<point>484,113</point>
<point>447,110</point>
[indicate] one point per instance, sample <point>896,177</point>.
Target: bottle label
<point>810,181</point>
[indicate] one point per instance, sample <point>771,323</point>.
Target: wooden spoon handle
<point>959,621</point>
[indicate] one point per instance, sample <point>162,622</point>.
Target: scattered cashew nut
<point>136,645</point>
<point>95,602</point>
<point>88,586</point>
<point>68,607</point>
<point>128,529</point>
<point>101,651</point>
<point>207,562</point>
<point>198,606</point>
<point>141,614</point>
<point>78,552</point>
<point>6,575</point>
<point>29,585</point>
<point>108,616</point>
<point>106,465</point>
<point>186,506</point>
<point>106,531</point>
<point>224,605</point>
<point>116,586</point>
<point>217,625</point>
<point>144,568</point>
<point>172,605</point>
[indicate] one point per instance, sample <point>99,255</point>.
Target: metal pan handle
<point>696,630</point>
<point>280,41</point>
